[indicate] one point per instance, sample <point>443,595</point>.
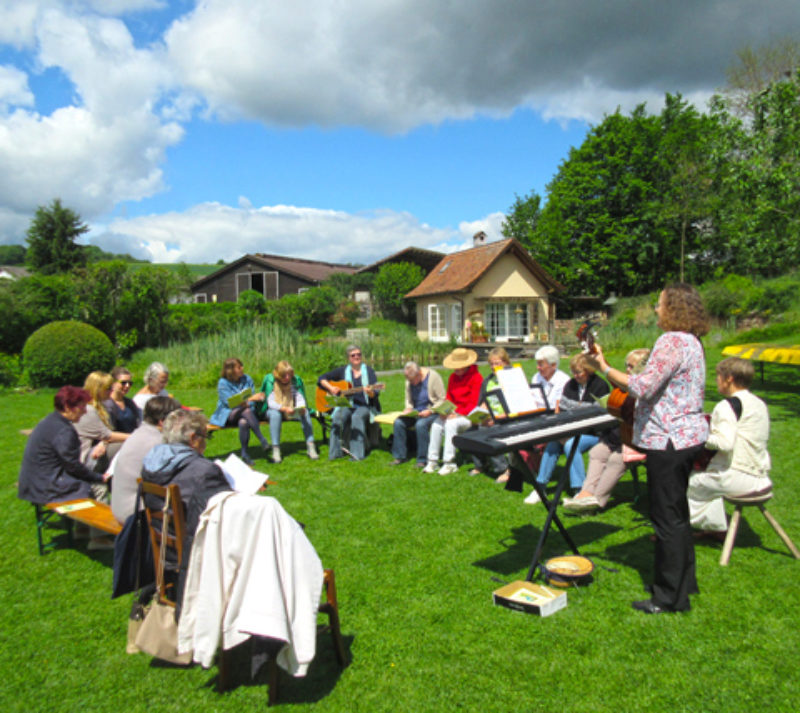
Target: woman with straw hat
<point>463,391</point>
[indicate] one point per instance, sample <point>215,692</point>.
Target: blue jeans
<point>577,472</point>
<point>359,419</point>
<point>422,427</point>
<point>276,419</point>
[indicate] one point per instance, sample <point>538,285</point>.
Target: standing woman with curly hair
<point>670,428</point>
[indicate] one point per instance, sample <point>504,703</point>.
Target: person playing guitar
<point>359,383</point>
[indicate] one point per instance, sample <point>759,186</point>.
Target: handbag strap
<point>137,524</point>
<point>162,552</point>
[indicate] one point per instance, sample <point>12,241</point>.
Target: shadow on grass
<point>248,666</point>
<point>520,545</point>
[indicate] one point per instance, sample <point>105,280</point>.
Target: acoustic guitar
<point>621,405</point>
<point>347,390</point>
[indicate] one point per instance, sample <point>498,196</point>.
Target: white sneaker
<point>276,454</point>
<point>312,450</point>
<point>533,498</point>
<point>582,504</point>
<point>431,467</point>
<point>448,468</point>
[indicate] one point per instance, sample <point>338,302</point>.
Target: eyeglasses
<point>125,383</point>
<point>355,354</point>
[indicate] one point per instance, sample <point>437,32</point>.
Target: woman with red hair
<point>51,469</point>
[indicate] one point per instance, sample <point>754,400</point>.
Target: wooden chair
<point>752,499</point>
<point>330,607</point>
<point>174,540</point>
<point>166,593</point>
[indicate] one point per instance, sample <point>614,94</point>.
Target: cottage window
<point>201,297</point>
<point>437,325</point>
<point>507,320</point>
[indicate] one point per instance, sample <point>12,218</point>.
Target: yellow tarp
<point>765,352</point>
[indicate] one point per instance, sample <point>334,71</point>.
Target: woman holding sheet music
<point>233,385</point>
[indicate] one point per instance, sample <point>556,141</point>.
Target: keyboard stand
<point>552,507</point>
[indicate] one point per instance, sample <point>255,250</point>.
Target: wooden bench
<point>84,510</point>
<point>322,418</point>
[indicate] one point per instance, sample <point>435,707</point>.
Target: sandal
<point>475,471</point>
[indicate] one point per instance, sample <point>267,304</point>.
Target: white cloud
<point>387,66</point>
<point>211,231</point>
<point>108,147</point>
<point>395,65</point>
<point>14,90</point>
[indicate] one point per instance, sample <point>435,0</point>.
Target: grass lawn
<point>417,558</point>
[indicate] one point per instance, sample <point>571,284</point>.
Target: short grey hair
<point>154,371</point>
<point>181,425</point>
<point>352,348</point>
<point>548,353</point>
<point>411,368</point>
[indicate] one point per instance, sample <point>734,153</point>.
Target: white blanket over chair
<point>252,571</point>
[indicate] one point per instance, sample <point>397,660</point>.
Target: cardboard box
<point>530,598</point>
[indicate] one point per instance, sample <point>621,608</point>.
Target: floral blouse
<point>669,395</point>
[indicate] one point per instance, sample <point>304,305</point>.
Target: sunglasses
<point>125,383</point>
<point>356,354</point>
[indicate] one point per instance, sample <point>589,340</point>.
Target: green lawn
<point>417,558</point>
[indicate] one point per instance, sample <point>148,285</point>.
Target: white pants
<point>446,428</point>
<point>706,506</point>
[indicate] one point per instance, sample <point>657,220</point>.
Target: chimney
<point>478,239</point>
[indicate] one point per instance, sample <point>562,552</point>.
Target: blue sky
<point>332,131</point>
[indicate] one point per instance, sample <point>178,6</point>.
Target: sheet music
<point>516,390</point>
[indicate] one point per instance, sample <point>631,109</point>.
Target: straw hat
<point>459,358</point>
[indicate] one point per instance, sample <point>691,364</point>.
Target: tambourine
<point>568,571</point>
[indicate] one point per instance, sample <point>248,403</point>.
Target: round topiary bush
<point>65,352</point>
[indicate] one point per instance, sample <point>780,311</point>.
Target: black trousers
<point>674,577</point>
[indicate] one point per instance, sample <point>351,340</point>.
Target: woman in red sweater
<point>463,391</point>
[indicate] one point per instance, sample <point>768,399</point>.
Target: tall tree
<point>684,203</point>
<point>628,207</point>
<point>758,181</point>
<point>392,282</point>
<point>755,69</point>
<point>51,240</point>
<point>522,218</point>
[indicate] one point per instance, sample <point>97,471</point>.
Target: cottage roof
<point>309,270</point>
<point>458,272</point>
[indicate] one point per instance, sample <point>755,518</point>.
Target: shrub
<point>9,369</point>
<point>253,302</point>
<point>65,352</point>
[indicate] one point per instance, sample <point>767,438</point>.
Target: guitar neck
<point>359,389</point>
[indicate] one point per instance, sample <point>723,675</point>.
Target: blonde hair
<point>638,357</point>
<point>282,368</point>
<point>96,383</point>
<point>500,353</point>
<point>582,362</point>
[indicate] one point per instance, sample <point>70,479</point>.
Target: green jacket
<point>269,384</point>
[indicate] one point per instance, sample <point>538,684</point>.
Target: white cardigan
<point>252,571</point>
